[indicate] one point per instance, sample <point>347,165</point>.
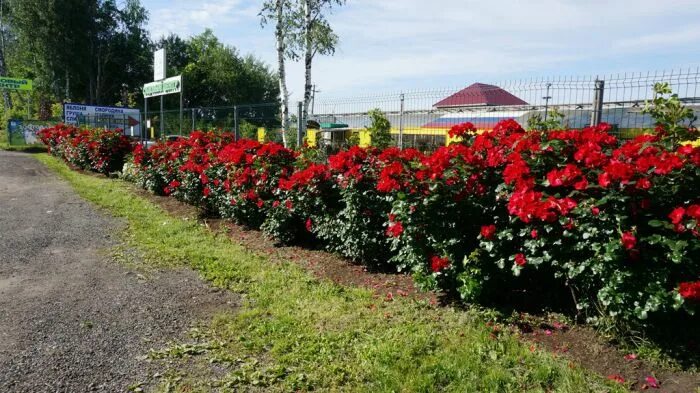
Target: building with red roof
<point>479,94</point>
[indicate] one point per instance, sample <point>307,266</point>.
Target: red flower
<point>564,177</point>
<point>460,130</point>
<point>629,241</point>
<point>309,225</point>
<point>595,210</point>
<point>520,259</point>
<point>395,229</point>
<point>643,184</point>
<point>676,215</point>
<point>534,234</point>
<point>487,231</point>
<point>437,264</point>
<point>693,211</point>
<point>652,382</point>
<point>690,291</point>
<point>206,191</point>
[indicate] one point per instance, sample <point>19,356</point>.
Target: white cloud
<point>190,17</point>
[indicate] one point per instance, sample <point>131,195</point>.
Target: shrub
<point>102,151</point>
<point>508,211</point>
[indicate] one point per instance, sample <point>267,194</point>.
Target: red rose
<point>487,231</point>
<point>534,234</point>
<point>643,184</point>
<point>676,215</point>
<point>437,264</point>
<point>629,241</point>
<point>309,225</point>
<point>690,290</point>
<point>595,210</point>
<point>520,259</point>
<point>395,229</point>
<point>693,211</point>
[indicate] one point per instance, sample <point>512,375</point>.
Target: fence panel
<point>421,119</point>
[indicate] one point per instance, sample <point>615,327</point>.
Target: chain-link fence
<point>421,119</point>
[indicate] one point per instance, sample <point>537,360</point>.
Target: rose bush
<point>98,150</point>
<point>612,225</point>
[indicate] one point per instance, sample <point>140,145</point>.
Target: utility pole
<point>546,102</point>
<point>313,97</point>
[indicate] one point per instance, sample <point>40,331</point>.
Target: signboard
<point>103,116</point>
<point>15,84</point>
<point>159,65</point>
<point>161,88</point>
<point>24,132</point>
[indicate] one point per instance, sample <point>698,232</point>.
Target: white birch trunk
<point>279,34</point>
<point>308,58</point>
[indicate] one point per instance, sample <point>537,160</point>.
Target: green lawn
<point>295,332</point>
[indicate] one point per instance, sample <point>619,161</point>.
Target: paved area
<point>71,318</point>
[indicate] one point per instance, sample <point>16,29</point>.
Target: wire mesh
<point>421,119</point>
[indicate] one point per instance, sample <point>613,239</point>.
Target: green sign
<point>160,88</point>
<point>15,84</point>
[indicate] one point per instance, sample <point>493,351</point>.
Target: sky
<point>403,45</point>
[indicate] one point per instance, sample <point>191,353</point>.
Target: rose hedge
<point>98,150</point>
<point>613,225</point>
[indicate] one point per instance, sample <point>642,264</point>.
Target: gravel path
<point>71,319</point>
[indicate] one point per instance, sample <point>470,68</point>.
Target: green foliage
<point>248,130</point>
<point>671,115</point>
<point>294,332</point>
<point>554,121</point>
<point>380,128</point>
<point>64,65</point>
<point>219,75</point>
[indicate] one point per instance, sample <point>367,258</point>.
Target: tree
<point>280,11</point>
<point>83,50</point>
<point>7,98</point>
<point>314,36</point>
<point>380,129</point>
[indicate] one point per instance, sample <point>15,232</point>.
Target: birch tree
<point>315,36</point>
<point>280,11</point>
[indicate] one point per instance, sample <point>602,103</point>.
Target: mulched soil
<point>579,344</point>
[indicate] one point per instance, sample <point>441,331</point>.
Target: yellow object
<point>153,134</point>
<point>365,138</point>
<point>695,143</point>
<point>261,134</point>
<point>451,139</point>
<point>311,137</point>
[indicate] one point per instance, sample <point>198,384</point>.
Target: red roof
<point>480,94</point>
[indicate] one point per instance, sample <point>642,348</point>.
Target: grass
<point>295,332</point>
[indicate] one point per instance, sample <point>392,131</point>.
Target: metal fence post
<point>597,113</point>
<point>193,119</point>
<point>235,123</point>
<point>300,124</point>
<point>162,118</point>
<point>401,122</point>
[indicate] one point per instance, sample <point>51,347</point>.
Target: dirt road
<point>71,318</point>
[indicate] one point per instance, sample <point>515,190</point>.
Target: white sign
<point>103,116</point>
<point>159,65</point>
